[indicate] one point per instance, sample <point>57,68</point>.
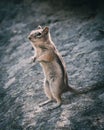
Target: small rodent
<point>56,79</point>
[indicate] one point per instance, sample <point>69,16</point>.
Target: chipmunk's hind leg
<point>56,93</point>
<point>58,104</point>
<point>48,93</point>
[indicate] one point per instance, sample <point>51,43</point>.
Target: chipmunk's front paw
<point>33,59</point>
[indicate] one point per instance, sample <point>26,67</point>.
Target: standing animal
<point>56,79</point>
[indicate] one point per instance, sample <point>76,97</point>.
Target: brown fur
<point>56,79</point>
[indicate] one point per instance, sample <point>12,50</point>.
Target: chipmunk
<point>56,79</point>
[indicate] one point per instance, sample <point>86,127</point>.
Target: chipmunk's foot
<point>45,103</point>
<point>55,106</point>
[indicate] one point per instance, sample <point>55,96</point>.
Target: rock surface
<point>78,32</point>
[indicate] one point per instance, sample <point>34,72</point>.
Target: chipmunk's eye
<point>38,34</point>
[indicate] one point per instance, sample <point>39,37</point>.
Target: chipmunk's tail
<point>82,91</point>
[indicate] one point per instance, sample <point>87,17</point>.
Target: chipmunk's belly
<point>52,70</point>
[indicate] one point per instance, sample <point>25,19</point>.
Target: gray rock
<point>78,32</point>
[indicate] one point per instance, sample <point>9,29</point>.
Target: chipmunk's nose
<point>29,37</point>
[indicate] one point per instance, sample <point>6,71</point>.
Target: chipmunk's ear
<point>46,30</point>
<point>39,27</point>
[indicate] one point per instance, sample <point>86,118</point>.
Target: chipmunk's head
<point>39,35</point>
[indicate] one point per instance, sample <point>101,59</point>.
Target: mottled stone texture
<point>78,32</point>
